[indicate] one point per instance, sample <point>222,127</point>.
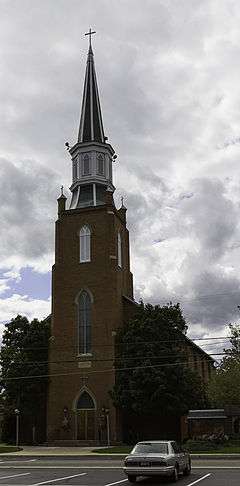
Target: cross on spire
<point>91,125</point>
<point>90,33</point>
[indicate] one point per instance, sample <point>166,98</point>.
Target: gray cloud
<point>28,193</point>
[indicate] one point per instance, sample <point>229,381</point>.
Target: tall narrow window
<point>110,169</point>
<point>74,169</point>
<point>119,250</point>
<point>100,165</point>
<point>85,244</point>
<point>84,323</point>
<point>86,165</point>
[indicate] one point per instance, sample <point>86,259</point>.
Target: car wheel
<point>132,478</point>
<point>175,475</point>
<point>187,469</point>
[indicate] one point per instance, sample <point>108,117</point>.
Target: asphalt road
<point>103,472</point>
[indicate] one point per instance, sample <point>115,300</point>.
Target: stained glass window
<point>84,323</point>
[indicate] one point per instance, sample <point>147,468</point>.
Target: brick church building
<point>92,289</point>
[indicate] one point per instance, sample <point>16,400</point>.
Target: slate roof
<point>91,125</point>
<point>217,413</point>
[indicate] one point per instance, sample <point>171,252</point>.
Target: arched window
<point>100,164</point>
<point>85,244</point>
<point>119,250</point>
<point>85,401</point>
<point>86,165</point>
<point>84,323</point>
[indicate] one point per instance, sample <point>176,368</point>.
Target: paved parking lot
<point>30,473</point>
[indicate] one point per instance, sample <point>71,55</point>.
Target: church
<point>92,289</point>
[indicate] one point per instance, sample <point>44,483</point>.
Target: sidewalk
<point>87,452</point>
<point>53,451</point>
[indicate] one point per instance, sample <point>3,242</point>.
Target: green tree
<point>23,359</point>
<point>152,367</point>
<point>224,387</point>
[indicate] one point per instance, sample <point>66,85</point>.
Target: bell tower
<point>91,287</point>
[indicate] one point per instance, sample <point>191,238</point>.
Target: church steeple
<point>92,156</point>
<point>91,125</point>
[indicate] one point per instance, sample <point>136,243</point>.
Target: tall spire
<point>91,125</point>
<point>92,156</point>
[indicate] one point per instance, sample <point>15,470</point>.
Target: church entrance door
<point>86,425</point>
<point>86,417</point>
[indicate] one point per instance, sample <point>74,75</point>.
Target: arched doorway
<point>85,417</point>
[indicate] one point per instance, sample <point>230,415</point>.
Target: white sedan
<point>157,458</point>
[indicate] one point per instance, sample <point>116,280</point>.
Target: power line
<point>116,344</point>
<point>97,371</point>
<point>114,369</point>
<point>126,357</point>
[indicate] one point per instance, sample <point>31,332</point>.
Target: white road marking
<point>198,480</point>
<point>214,467</point>
<point>117,482</point>
<point>58,479</point>
<point>102,467</point>
<point>14,475</point>
<point>60,467</point>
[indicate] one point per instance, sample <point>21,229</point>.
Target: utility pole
<point>17,413</point>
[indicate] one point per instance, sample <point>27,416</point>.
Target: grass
<point>231,449</point>
<point>222,450</point>
<point>8,448</point>
<point>124,449</point>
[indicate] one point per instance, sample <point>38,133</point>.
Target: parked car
<point>157,458</point>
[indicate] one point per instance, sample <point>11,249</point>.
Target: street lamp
<point>17,413</point>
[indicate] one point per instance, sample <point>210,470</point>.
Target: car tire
<point>187,469</point>
<point>175,475</point>
<point>132,478</point>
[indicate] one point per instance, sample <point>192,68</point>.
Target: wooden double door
<point>86,424</point>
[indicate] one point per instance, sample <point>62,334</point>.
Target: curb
<point>215,456</point>
<point>109,457</point>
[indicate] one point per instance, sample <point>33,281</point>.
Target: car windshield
<point>148,447</point>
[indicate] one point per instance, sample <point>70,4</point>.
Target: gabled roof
<point>217,413</point>
<point>91,125</point>
<point>197,348</point>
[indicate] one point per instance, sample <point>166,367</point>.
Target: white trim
<point>79,164</point>
<point>84,289</point>
<point>98,106</point>
<point>94,195</point>
<point>85,244</point>
<point>80,136</point>
<point>91,101</point>
<point>119,249</point>
<point>84,389</point>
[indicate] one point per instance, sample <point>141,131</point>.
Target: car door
<point>180,455</point>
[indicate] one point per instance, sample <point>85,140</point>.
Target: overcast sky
<point>168,75</point>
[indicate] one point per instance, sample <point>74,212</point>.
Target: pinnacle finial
<point>62,193</point>
<point>90,33</point>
